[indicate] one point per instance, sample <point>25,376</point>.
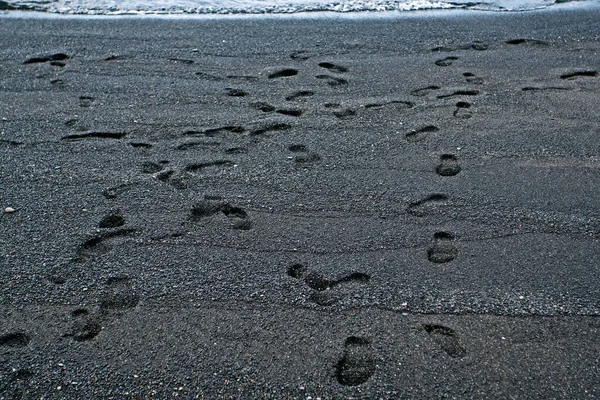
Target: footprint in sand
<point>462,110</point>
<point>219,131</point>
<point>235,92</point>
<point>460,93</point>
<point>85,101</point>
<point>448,166</point>
<point>443,250</point>
<point>345,113</point>
<point>323,294</point>
<point>300,95</point>
<point>115,191</point>
<point>163,174</point>
<point>283,73</point>
<point>14,339</point>
<point>333,80</point>
<point>119,294</point>
<point>527,42</point>
<point>400,104</point>
<point>357,364</point>
<point>425,90</point>
<point>270,127</point>
<point>237,216</point>
<point>190,145</point>
<point>420,134</point>
<point>215,166</point>
<point>49,58</point>
<point>446,62</point>
<point>101,243</point>
<point>426,206</point>
<point>446,339</point>
<point>579,74</point>
<point>290,112</point>
<point>304,157</point>
<point>333,67</point>
<point>473,79</point>
<point>84,327</point>
<point>95,135</point>
<point>262,106</point>
<point>114,219</point>
<point>140,145</point>
<point>302,55</point>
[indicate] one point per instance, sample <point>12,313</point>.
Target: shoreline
<point>359,15</point>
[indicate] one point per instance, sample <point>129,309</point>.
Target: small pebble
<point>9,210</point>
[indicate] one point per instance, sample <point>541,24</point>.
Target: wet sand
<point>301,208</point>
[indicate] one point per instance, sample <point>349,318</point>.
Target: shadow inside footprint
<point>461,110</point>
<point>99,243</point>
<point>420,134</point>
<point>15,339</point>
<point>357,364</point>
<point>446,338</point>
<point>112,220</point>
<point>332,80</point>
<point>579,74</point>
<point>446,62</point>
<point>448,166</point>
<point>84,327</point>
<point>424,91</point>
<point>283,73</point>
<point>443,250</point>
<point>208,208</point>
<point>322,285</point>
<point>333,67</point>
<point>427,205</point>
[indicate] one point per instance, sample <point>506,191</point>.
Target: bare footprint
<point>332,80</point>
<point>120,294</point>
<point>290,112</point>
<point>579,74</point>
<point>446,339</point>
<point>333,67</point>
<point>236,92</point>
<point>208,208</point>
<point>15,339</point>
<point>473,79</point>
<point>322,285</point>
<point>448,166</point>
<point>460,93</point>
<point>462,110</point>
<point>426,206</point>
<point>283,73</point>
<point>443,250</point>
<point>114,219</point>
<point>424,91</point>
<point>420,134</point>
<point>357,364</point>
<point>304,158</point>
<point>300,94</point>
<point>446,62</point>
<point>95,135</point>
<point>85,101</point>
<point>100,243</point>
<point>84,326</point>
<point>48,58</point>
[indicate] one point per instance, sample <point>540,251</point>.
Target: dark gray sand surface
<point>301,208</point>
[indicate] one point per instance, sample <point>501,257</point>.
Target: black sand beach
<point>301,208</point>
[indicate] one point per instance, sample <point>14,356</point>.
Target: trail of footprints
<point>357,362</point>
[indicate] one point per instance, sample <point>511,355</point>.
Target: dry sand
<point>295,208</point>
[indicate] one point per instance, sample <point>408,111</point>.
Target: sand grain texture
<point>290,208</point>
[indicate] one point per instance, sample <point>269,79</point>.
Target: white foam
<point>119,7</point>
